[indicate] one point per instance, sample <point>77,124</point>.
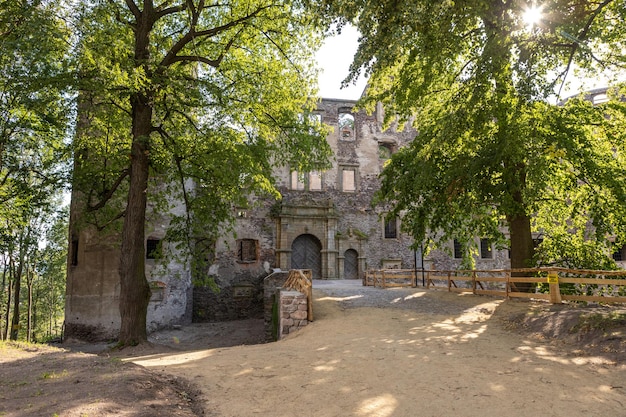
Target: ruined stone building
<point>324,222</point>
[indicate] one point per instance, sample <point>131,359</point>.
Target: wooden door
<point>306,253</point>
<point>351,264</point>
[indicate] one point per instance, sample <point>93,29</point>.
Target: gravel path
<point>352,294</point>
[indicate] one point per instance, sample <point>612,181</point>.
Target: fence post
<point>508,284</point>
<point>449,280</point>
<point>555,291</point>
<point>474,281</point>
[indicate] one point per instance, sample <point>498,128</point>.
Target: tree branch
<point>192,34</point>
<point>581,36</point>
<point>109,193</point>
<point>169,10</point>
<point>134,9</point>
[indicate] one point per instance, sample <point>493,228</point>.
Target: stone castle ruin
<point>324,222</point>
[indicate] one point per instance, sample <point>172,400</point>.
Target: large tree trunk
<point>134,288</point>
<point>522,248</point>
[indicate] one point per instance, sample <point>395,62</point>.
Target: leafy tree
<point>490,151</point>
<point>33,123</point>
<point>193,99</point>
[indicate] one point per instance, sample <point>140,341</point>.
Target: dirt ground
<point>369,352</point>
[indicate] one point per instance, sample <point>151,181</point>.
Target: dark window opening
<point>458,250</point>
<point>485,249</point>
<point>391,228</point>
<point>620,254</point>
<point>152,248</point>
<point>74,252</point>
<point>247,250</point>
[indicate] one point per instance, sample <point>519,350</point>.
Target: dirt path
<point>435,354</point>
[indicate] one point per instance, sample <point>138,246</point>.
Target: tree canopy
<point>189,99</point>
<point>35,79</point>
<point>494,155</point>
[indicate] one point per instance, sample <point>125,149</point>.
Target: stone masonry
<point>293,311</point>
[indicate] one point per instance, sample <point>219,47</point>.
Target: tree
<point>203,96</point>
<point>490,150</point>
<point>33,122</point>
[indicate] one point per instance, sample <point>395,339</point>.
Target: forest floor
<point>369,352</point>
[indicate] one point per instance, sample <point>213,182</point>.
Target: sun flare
<point>532,16</point>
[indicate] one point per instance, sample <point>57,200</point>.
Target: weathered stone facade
<point>324,222</point>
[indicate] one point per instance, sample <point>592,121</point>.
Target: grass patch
<point>597,321</point>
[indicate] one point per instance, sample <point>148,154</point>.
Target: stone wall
<point>271,285</point>
<point>293,311</point>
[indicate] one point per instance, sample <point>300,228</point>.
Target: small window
<point>247,250</point>
<point>620,254</point>
<point>74,252</point>
<point>485,249</point>
<point>297,181</point>
<point>315,181</point>
<point>391,228</point>
<point>458,249</point>
<point>348,180</point>
<point>152,248</point>
<point>384,152</point>
<point>346,126</point>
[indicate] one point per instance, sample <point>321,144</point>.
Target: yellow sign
<point>553,278</point>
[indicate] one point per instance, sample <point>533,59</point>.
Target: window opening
<point>391,228</point>
<point>152,248</point>
<point>247,250</point>
<point>74,259</point>
<point>485,249</point>
<point>384,152</point>
<point>458,249</point>
<point>311,181</point>
<point>315,181</point>
<point>348,178</point>
<point>346,126</point>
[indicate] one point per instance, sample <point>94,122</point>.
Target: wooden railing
<point>553,284</point>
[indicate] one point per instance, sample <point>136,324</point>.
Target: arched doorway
<point>351,264</point>
<point>306,253</point>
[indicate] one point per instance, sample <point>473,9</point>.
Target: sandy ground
<point>435,354</point>
<point>370,352</point>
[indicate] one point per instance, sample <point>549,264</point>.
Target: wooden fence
<point>553,284</point>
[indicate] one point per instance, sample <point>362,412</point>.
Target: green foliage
<point>490,150</point>
<point>35,92</point>
<point>214,96</point>
<point>226,107</point>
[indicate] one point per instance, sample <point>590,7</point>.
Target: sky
<point>335,56</point>
<point>334,59</point>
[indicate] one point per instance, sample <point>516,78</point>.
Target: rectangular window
<point>306,181</point>
<point>247,250</point>
<point>619,254</point>
<point>391,228</point>
<point>152,248</point>
<point>485,249</point>
<point>315,181</point>
<point>348,180</point>
<point>458,250</point>
<point>297,181</point>
<point>74,252</point>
